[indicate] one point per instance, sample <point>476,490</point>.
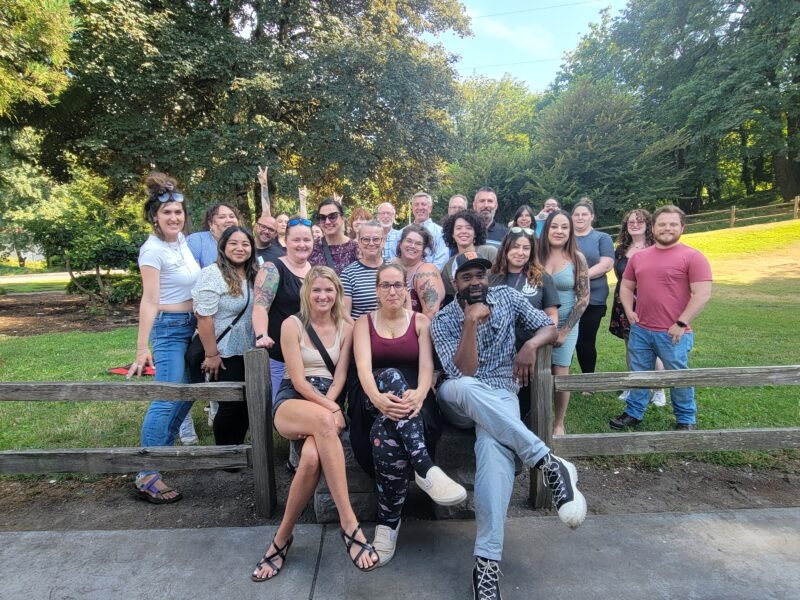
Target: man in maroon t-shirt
<point>671,283</point>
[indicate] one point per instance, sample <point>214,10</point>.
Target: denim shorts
<point>288,392</point>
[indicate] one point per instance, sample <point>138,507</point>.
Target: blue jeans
<point>643,347</point>
<point>500,434</point>
<point>170,338</point>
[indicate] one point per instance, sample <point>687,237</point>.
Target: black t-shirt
<point>271,253</point>
<point>544,295</point>
<point>495,234</point>
<point>286,303</point>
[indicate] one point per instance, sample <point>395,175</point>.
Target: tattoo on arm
<point>428,295</point>
<point>581,295</point>
<point>265,204</point>
<point>266,285</point>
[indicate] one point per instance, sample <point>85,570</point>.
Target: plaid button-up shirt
<point>496,337</point>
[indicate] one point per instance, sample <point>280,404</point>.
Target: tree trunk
<point>787,166</point>
<point>20,257</point>
<point>74,279</point>
<point>747,171</point>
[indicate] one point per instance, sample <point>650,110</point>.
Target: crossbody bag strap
<point>236,320</point>
<point>326,250</point>
<point>321,348</point>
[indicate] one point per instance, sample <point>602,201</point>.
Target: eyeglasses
<point>299,221</point>
<point>370,241</point>
<point>636,222</point>
<point>413,243</point>
<point>524,230</point>
<point>261,227</point>
<point>330,217</point>
<point>397,286</point>
<point>170,196</point>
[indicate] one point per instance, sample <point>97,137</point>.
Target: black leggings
<point>232,420</point>
<point>586,348</point>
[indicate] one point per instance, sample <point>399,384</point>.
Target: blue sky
<point>525,38</point>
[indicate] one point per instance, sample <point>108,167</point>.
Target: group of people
<point>351,325</point>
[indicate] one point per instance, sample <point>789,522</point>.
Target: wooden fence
<point>648,442</point>
<point>256,391</point>
<point>730,217</point>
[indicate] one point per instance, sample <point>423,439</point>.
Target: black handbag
<point>196,354</point>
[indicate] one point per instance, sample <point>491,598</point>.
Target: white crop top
<point>178,270</point>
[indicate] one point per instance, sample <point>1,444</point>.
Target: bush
<point>124,288</point>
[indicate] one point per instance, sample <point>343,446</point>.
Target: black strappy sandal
<point>268,558</point>
<point>349,540</point>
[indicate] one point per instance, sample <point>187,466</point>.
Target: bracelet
<point>213,355</point>
<point>259,336</point>
<point>333,412</point>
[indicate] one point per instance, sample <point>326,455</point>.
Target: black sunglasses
<point>331,217</point>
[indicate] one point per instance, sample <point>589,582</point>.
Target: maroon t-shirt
<point>662,277</point>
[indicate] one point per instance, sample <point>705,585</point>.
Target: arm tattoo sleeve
<point>266,285</point>
<point>428,295</point>
<point>581,295</point>
<point>265,205</point>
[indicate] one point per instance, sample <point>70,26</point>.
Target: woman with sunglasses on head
<point>518,268</point>
<point>335,249</point>
<point>523,217</point>
<point>223,304</point>
<point>306,409</point>
<point>277,293</point>
<point>169,272</point>
<point>598,249</point>
<point>635,234</point>
<point>560,257</point>
<point>394,416</point>
<point>425,287</point>
<point>463,231</point>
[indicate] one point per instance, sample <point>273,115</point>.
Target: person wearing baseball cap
<point>474,337</point>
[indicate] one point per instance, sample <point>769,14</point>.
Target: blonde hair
<point>337,310</point>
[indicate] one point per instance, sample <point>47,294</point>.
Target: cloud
<point>532,41</point>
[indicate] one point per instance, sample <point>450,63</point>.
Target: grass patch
<point>21,287</point>
<point>9,267</point>
<point>742,242</point>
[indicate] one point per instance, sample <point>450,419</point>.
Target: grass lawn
<point>11,267</point>
<point>752,319</point>
<point>42,285</point>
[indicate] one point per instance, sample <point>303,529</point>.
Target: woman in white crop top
<point>306,408</point>
<point>169,272</point>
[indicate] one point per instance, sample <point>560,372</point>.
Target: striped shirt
<point>496,337</point>
<point>358,281</point>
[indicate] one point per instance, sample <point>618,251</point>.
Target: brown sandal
<point>268,558</point>
<point>148,491</point>
<point>349,540</point>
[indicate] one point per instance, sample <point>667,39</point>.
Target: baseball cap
<point>467,260</point>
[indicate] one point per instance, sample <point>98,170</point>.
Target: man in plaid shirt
<point>474,338</point>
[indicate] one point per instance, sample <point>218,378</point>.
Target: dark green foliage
<point>117,288</point>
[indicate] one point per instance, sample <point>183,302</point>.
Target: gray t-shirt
<point>212,298</point>
<point>594,246</point>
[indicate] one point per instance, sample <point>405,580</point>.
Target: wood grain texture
<point>124,391</point>
<point>259,409</point>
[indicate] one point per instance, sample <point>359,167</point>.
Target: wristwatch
<point>681,324</point>
<point>261,335</point>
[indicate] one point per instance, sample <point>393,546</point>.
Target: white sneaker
<point>212,412</point>
<point>385,542</point>
<point>441,488</point>
<point>624,395</point>
<point>659,398</point>
<point>187,433</point>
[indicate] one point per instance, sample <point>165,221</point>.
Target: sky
<point>525,38</point>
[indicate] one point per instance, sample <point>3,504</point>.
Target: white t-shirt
<point>178,270</point>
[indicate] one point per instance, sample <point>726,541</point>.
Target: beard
<point>473,294</point>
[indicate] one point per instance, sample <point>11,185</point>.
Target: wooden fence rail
<point>256,392</point>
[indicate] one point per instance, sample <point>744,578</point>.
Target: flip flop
<point>267,560</point>
<point>349,540</point>
<point>148,491</point>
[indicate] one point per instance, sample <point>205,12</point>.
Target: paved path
<point>730,555</point>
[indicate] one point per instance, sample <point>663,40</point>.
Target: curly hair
<point>533,266</point>
<point>472,219</point>
<point>227,269</point>
<point>624,239</point>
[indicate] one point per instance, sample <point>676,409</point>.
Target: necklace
<point>391,326</point>
<point>176,249</point>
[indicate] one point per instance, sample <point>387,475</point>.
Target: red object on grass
<point>148,371</point>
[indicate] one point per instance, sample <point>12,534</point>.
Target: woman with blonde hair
<point>316,348</point>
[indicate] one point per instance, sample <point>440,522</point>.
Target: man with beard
<point>267,247</point>
<point>670,284</point>
<point>391,235</point>
<point>485,204</point>
<point>474,337</point>
<point>550,205</point>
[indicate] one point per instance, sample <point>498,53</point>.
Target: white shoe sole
<point>576,513</point>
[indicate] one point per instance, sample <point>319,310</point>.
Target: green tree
<point>34,46</point>
<point>593,141</point>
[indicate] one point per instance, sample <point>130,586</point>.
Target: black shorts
<point>288,392</point>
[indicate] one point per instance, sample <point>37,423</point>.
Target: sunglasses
<point>330,217</point>
<point>524,230</point>
<point>299,221</point>
<point>170,196</point>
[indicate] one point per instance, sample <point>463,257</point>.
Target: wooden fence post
<point>796,207</point>
<point>541,422</point>
<point>733,215</point>
<point>258,394</point>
